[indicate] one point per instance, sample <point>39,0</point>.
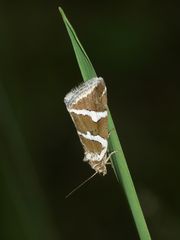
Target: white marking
<point>96,138</point>
<point>91,155</point>
<point>95,116</point>
<point>105,89</point>
<point>82,91</point>
<point>95,156</point>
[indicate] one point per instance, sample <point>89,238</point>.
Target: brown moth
<point>87,105</point>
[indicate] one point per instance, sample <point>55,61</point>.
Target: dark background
<point>134,45</point>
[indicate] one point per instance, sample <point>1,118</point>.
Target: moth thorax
<point>99,166</point>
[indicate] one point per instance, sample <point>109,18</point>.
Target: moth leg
<point>109,133</point>
<point>109,157</point>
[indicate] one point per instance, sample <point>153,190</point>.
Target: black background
<point>134,46</point>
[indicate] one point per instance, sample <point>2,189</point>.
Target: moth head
<point>99,166</point>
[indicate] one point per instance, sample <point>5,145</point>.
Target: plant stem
<point>119,162</point>
<point>124,177</point>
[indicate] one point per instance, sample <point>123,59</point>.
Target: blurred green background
<point>134,45</point>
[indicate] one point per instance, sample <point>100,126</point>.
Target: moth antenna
<point>80,185</point>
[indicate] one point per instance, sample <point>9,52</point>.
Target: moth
<point>87,105</point>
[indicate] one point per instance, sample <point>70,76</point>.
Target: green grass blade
<point>124,177</point>
<point>84,62</point>
<point>119,162</point>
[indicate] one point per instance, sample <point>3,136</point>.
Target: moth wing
<point>90,118</point>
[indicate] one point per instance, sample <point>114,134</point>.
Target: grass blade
<point>84,62</point>
<point>119,162</point>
